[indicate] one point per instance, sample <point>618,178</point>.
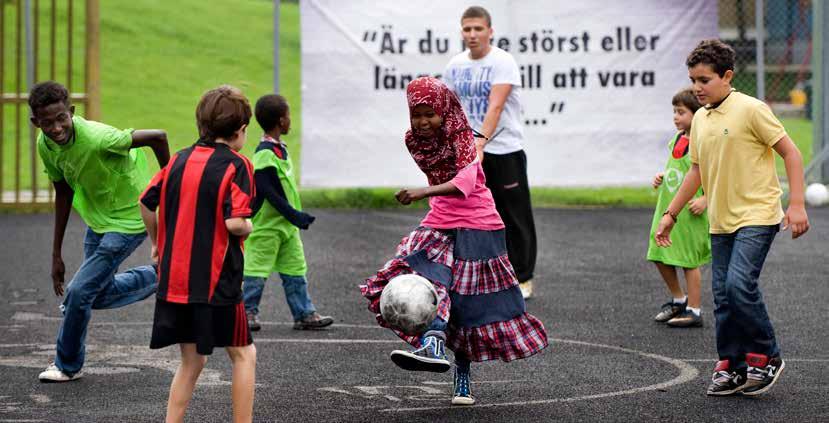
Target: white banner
<point>598,77</point>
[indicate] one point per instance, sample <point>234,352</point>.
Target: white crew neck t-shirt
<point>472,80</point>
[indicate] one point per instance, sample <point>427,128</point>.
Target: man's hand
<point>406,195</point>
<point>797,219</point>
<point>657,180</point>
<point>697,206</point>
<point>58,271</point>
<point>663,231</point>
<point>154,254</point>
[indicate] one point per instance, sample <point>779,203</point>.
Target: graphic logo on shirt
<point>725,131</point>
<point>673,179</point>
<point>472,85</point>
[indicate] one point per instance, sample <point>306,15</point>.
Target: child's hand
<point>657,180</point>
<point>406,195</point>
<point>479,148</point>
<point>305,220</point>
<point>797,219</point>
<point>697,206</point>
<point>663,231</point>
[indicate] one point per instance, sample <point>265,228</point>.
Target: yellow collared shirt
<point>732,144</point>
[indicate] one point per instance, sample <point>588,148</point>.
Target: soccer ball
<point>817,194</point>
<point>409,303</point>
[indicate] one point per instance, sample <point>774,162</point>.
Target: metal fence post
<point>760,37</point>
<point>276,46</point>
<point>820,80</point>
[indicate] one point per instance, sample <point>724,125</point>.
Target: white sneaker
<point>526,289</point>
<point>54,374</point>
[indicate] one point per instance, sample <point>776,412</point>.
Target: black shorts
<point>205,325</point>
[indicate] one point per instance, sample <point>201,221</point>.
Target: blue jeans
<point>96,286</point>
<point>742,322</point>
<point>296,294</point>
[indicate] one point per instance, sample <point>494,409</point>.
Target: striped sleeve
<point>242,190</point>
<point>151,196</point>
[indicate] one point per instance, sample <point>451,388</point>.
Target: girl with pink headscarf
<point>460,247</point>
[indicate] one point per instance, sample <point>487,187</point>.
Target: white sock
<point>680,300</point>
<point>696,311</point>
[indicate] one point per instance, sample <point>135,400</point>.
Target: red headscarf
<point>452,148</point>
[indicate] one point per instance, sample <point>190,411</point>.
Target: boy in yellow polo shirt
<point>732,139</point>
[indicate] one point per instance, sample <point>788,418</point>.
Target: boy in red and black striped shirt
<point>203,202</point>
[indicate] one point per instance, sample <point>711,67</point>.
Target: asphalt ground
<point>596,294</point>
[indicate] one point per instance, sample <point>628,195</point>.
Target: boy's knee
<point>239,355</point>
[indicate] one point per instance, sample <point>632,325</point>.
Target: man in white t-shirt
<point>485,78</point>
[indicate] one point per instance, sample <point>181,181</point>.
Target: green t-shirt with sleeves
<point>105,174</point>
<point>275,244</point>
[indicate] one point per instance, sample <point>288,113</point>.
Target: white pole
<point>760,36</point>
<point>276,46</point>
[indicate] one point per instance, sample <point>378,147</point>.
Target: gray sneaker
<point>253,322</point>
<point>314,321</point>
<point>670,310</point>
<point>686,319</point>
<point>430,357</point>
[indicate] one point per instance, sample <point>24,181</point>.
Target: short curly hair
<point>47,93</point>
<point>715,53</point>
<point>221,112</point>
<point>269,108</point>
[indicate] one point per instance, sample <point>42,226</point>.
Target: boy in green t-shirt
<point>275,246</point>
<point>733,139</point>
<point>97,169</point>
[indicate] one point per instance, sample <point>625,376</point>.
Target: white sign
<point>598,77</point>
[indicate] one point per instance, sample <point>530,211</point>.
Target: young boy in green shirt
<point>275,245</point>
<point>732,143</point>
<point>97,169</point>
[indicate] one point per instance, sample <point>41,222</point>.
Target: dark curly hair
<point>46,93</point>
<point>221,112</point>
<point>715,53</point>
<point>269,108</point>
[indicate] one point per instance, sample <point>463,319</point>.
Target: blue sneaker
<point>463,392</point>
<point>430,357</point>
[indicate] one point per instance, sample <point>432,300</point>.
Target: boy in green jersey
<point>275,246</point>
<point>98,170</point>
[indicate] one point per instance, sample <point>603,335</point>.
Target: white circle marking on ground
<point>687,373</point>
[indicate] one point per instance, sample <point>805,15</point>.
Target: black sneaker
<point>253,322</point>
<point>670,310</point>
<point>686,319</point>
<point>430,357</point>
<point>762,373</point>
<point>725,382</point>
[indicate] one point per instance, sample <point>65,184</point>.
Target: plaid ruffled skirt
<point>477,291</point>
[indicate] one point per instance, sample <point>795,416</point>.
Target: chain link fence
<point>777,68</point>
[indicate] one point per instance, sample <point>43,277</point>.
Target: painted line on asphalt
<point>687,373</point>
<point>326,341</point>
<point>714,360</point>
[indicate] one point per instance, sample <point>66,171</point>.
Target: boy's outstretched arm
<point>156,139</point>
<point>151,223</point>
<point>63,205</point>
<point>686,192</point>
<point>406,195</point>
<point>796,217</point>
